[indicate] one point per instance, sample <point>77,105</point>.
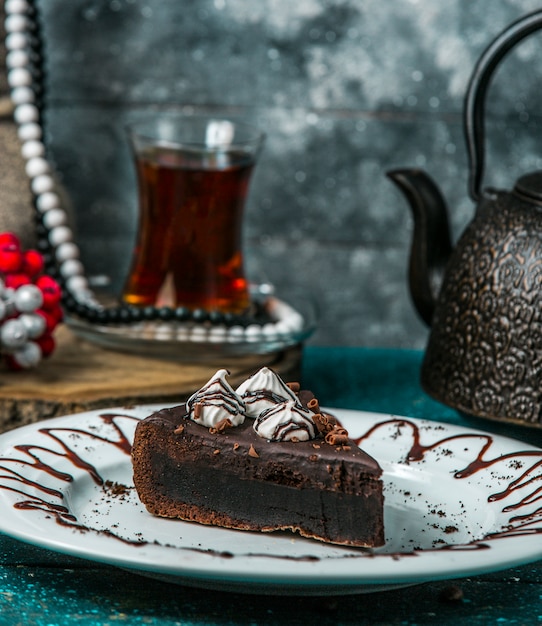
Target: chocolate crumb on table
<point>451,594</point>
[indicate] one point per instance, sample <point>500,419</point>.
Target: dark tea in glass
<point>193,178</point>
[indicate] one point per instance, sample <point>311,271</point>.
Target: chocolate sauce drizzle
<point>253,396</point>
<point>300,420</point>
<point>51,501</point>
<point>224,397</point>
<point>30,457</point>
<point>530,478</point>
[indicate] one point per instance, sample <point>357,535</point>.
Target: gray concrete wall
<point>344,89</point>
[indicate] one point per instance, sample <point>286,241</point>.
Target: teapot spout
<point>431,243</point>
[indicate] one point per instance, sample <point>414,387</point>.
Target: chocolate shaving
<point>236,446</point>
<point>295,387</point>
<point>325,423</point>
<point>221,426</point>
<point>252,452</point>
<point>337,436</point>
<point>179,429</point>
<point>217,451</point>
<point>198,410</point>
<point>313,405</point>
<point>320,421</point>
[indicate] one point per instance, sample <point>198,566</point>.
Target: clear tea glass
<point>193,177</point>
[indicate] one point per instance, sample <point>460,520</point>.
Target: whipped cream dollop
<point>264,390</point>
<point>216,401</point>
<point>286,421</point>
<point>278,413</point>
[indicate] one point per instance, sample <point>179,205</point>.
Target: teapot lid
<point>530,186</point>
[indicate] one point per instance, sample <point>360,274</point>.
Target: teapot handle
<point>473,114</point>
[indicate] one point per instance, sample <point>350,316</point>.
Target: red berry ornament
<point>51,321</point>
<point>32,263</point>
<point>16,280</point>
<point>30,306</point>
<point>51,291</point>
<point>9,238</point>
<point>47,344</point>
<point>11,258</point>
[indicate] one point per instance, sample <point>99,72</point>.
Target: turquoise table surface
<point>44,588</point>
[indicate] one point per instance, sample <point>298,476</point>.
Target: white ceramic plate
<point>459,502</point>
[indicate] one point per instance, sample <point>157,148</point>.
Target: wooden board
<point>81,376</point>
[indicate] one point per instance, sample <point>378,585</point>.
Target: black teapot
<point>483,298</point>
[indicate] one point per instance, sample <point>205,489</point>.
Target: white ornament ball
<point>54,218</point>
<point>42,184</point>
<point>253,332</point>
<point>16,6</point>
<point>28,298</point>
<point>22,95</point>
<point>65,251</point>
<point>15,23</point>
<point>163,332</point>
<point>71,267</point>
<point>28,355</point>
<point>217,334</point>
<point>32,149</point>
<point>19,77</point>
<point>7,296</point>
<point>236,334</point>
<point>34,323</point>
<point>29,131</point>
<point>13,334</point>
<point>198,334</point>
<point>25,113</point>
<point>78,285</point>
<point>60,234</point>
<point>17,58</point>
<point>36,167</point>
<point>16,41</point>
<point>47,201</point>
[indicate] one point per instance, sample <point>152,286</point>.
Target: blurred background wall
<point>344,89</point>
